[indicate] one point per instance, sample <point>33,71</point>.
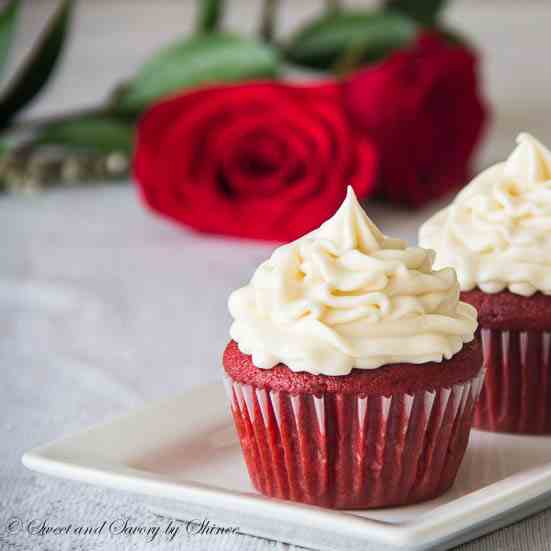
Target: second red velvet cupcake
<point>496,235</point>
<point>516,339</point>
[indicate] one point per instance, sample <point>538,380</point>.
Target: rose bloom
<point>258,160</point>
<point>423,108</point>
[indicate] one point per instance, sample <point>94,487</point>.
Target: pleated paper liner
<point>516,396</point>
<point>349,451</point>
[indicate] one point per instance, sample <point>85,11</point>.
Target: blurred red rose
<point>258,160</point>
<point>423,108</point>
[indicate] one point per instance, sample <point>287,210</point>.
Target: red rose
<point>423,108</point>
<point>259,160</point>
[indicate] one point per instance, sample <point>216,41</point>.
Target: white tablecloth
<point>104,307</point>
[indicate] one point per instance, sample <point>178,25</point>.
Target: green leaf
<point>197,61</point>
<point>8,18</point>
<point>424,11</point>
<point>102,133</point>
<point>5,148</point>
<point>38,67</point>
<point>323,42</point>
<point>209,14</point>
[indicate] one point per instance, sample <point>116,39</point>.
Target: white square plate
<point>185,451</point>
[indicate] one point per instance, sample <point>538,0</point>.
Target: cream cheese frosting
<point>346,296</point>
<point>497,231</point>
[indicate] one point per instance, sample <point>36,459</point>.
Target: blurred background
<point>111,40</point>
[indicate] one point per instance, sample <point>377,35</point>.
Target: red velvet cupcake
<point>516,338</point>
<point>394,435</point>
<point>496,235</point>
<point>353,371</point>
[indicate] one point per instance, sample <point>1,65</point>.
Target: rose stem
<point>332,5</point>
<point>267,23</point>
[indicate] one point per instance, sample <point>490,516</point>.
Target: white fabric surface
<point>101,305</point>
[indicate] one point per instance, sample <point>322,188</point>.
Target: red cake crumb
<point>385,380</point>
<point>506,310</point>
<point>390,436</point>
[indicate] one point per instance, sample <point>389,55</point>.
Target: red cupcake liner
<point>516,396</point>
<point>349,451</point>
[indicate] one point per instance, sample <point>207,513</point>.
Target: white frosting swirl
<point>346,296</point>
<point>496,233</point>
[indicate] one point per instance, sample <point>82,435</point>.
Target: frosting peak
<point>495,232</point>
<point>351,228</point>
<point>346,296</point>
<point>529,163</point>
